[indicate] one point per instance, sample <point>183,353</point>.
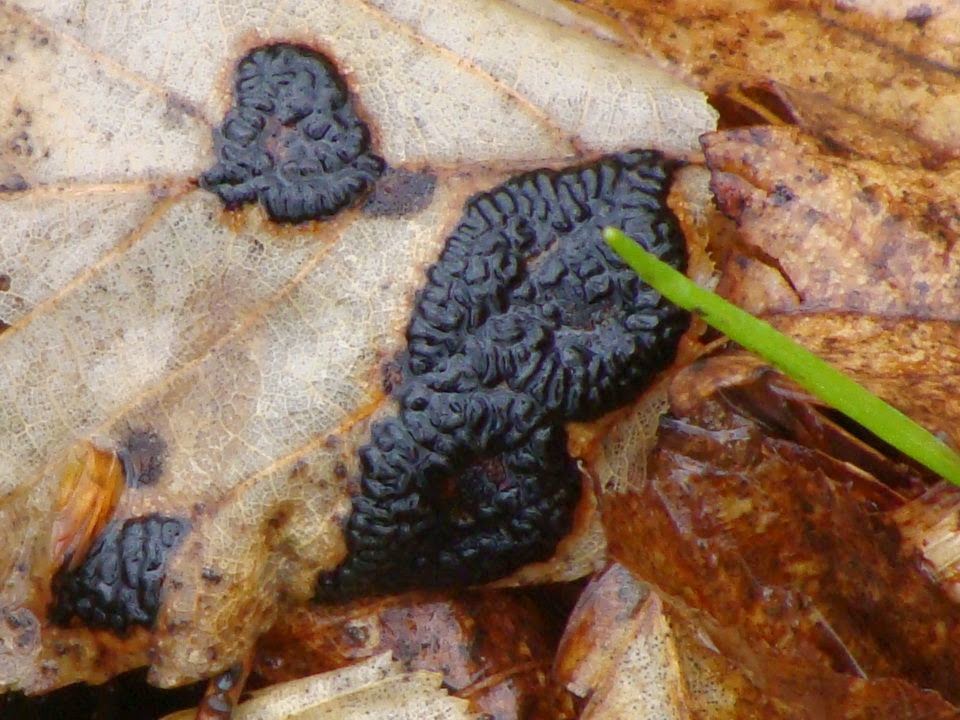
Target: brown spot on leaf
<point>91,481</point>
<point>400,192</point>
<point>142,454</point>
<point>13,183</point>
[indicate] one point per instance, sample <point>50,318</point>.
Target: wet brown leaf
<point>821,565</point>
<point>627,655</point>
<point>656,658</point>
<point>775,542</point>
<point>493,649</point>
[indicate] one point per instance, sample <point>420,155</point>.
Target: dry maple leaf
<point>234,366</point>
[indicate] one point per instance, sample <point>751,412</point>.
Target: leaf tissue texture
<point>253,354</point>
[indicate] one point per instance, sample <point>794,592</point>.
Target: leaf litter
<point>838,230</point>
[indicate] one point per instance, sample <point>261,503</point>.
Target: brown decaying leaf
<point>875,79</point>
<point>627,654</point>
<point>135,305</point>
<point>789,559</point>
<point>930,524</point>
<point>855,259</point>
<point>821,564</point>
<point>846,235</point>
<point>632,652</point>
<point>494,649</point>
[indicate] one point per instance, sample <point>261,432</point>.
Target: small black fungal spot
<point>919,15</point>
<point>142,456</point>
<point>400,192</point>
<point>781,195</point>
<point>211,575</point>
<point>119,581</point>
<point>5,282</point>
<point>526,321</point>
<point>292,140</point>
<point>391,375</point>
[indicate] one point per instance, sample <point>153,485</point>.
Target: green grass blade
<point>806,369</point>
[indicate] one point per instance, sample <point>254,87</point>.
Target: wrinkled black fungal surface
<point>292,139</point>
<point>527,320</point>
<point>118,583</point>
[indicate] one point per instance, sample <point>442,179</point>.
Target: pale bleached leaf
<point>254,352</point>
<point>376,689</point>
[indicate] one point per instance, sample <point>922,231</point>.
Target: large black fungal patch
<point>292,139</point>
<point>118,583</point>
<point>527,320</point>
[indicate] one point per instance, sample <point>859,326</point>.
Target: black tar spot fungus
<point>526,321</point>
<point>118,583</point>
<point>292,140</point>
